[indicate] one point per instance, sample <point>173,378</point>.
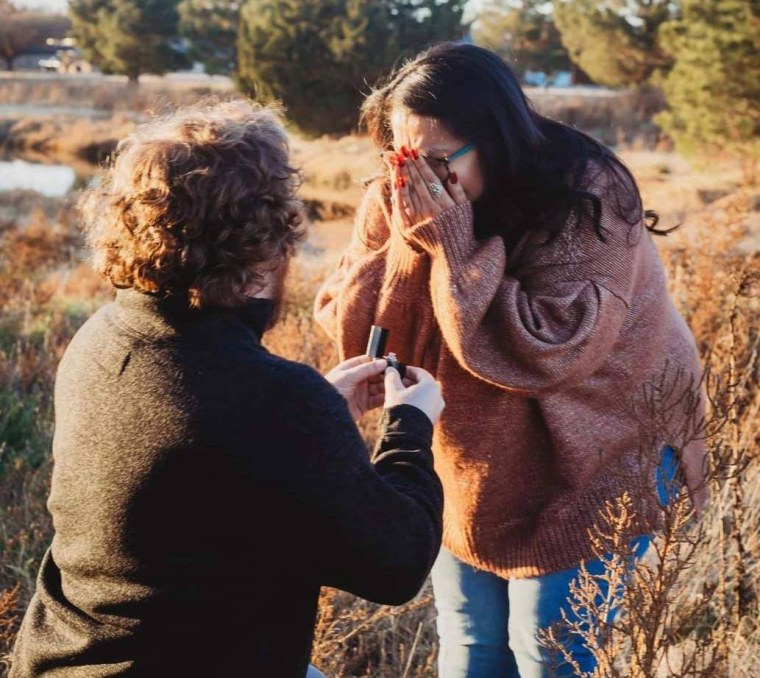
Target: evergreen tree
<point>84,27</point>
<point>713,91</point>
<point>615,42</point>
<point>211,26</point>
<point>523,33</point>
<point>318,57</point>
<point>128,36</point>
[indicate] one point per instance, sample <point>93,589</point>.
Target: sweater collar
<point>255,313</point>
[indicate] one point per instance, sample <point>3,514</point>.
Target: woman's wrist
<point>407,268</point>
<point>449,234</point>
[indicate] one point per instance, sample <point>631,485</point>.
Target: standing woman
<point>509,255</point>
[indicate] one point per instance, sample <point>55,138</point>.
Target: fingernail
<point>403,182</point>
<point>415,154</point>
<point>453,178</point>
<point>404,151</point>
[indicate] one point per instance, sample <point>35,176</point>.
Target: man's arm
<point>373,527</point>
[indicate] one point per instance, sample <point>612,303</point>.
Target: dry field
<point>83,116</point>
<point>706,620</point>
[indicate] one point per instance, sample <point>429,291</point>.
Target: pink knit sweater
<point>538,355</point>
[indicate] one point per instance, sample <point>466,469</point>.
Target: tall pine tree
<point>523,33</point>
<point>713,91</point>
<point>211,26</point>
<point>128,36</point>
<point>319,57</point>
<point>615,42</point>
<point>84,27</point>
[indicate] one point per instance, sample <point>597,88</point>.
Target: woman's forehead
<point>426,133</point>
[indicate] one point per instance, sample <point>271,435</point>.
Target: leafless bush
<point>690,606</point>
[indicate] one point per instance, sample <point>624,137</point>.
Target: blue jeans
<point>487,626</point>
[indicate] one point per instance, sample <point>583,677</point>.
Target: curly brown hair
<point>198,203</point>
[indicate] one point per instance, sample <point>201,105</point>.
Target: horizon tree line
<point>319,58</point>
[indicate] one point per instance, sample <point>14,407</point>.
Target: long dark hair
<point>537,170</point>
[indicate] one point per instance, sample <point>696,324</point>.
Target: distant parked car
<point>562,79</point>
<point>541,79</point>
<point>51,65</point>
<point>65,60</point>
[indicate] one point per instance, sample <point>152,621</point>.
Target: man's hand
<point>360,381</point>
<point>421,390</point>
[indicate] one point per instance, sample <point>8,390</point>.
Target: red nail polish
<point>415,154</point>
<point>403,182</point>
<point>404,151</point>
<point>453,178</point>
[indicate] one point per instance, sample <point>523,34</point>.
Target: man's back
<point>202,493</point>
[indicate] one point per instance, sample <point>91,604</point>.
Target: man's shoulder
<point>277,397</point>
<point>93,338</point>
<point>228,364</point>
<point>297,381</point>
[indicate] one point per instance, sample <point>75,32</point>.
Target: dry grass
<point>66,137</point>
<point>47,291</point>
<point>107,94</point>
<point>107,107</point>
<point>84,116</point>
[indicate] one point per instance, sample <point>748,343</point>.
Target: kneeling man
<point>203,488</point>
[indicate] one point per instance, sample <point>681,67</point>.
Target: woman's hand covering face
<point>417,193</point>
<point>417,190</point>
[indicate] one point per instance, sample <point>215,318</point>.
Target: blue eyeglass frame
<point>465,149</point>
<point>448,158</point>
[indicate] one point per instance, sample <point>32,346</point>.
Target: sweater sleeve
<point>540,329</point>
<point>375,267</point>
<point>372,528</point>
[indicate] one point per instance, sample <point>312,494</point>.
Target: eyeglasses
<point>440,165</point>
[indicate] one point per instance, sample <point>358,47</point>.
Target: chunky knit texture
<point>539,352</point>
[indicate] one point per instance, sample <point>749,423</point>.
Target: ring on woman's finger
<point>436,190</point>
